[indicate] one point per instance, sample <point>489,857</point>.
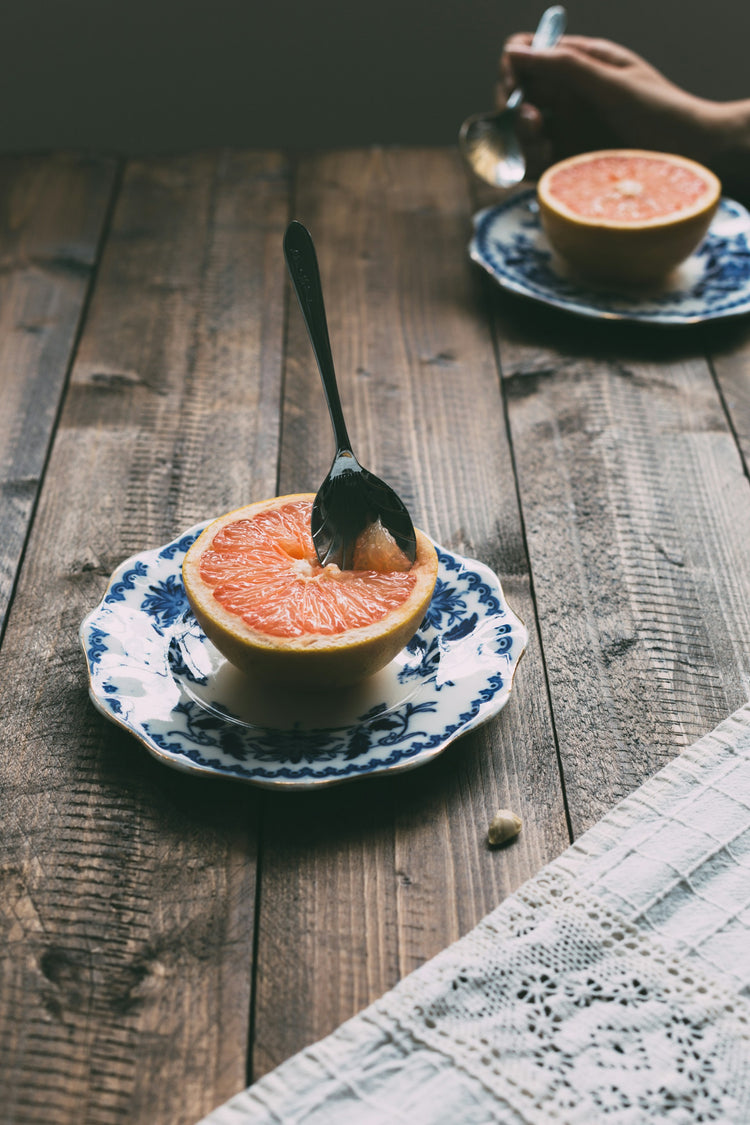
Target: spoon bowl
<point>351,499</point>
<point>489,141</point>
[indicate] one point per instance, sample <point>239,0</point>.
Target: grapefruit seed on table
<point>256,587</point>
<point>626,215</point>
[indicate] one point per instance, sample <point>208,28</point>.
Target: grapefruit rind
<point>630,252</point>
<point>312,660</point>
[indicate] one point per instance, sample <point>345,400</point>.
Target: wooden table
<point>165,938</point>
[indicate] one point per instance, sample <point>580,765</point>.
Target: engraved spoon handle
<point>550,27</point>
<point>302,263</point>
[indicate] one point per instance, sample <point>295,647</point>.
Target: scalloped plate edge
<point>570,305</point>
<point>485,712</point>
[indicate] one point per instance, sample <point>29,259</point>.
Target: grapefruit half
<point>626,215</point>
<point>256,587</point>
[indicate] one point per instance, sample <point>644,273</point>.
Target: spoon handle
<point>302,263</point>
<point>550,28</point>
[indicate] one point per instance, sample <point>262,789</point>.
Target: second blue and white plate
<point>153,672</point>
<point>713,283</point>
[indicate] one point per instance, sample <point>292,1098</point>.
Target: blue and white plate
<point>714,282</point>
<point>153,672</point>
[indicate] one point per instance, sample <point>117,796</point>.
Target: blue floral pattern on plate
<point>714,282</point>
<point>153,672</point>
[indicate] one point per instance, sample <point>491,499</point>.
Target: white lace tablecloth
<point>612,988</point>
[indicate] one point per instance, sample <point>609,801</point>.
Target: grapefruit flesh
<point>627,215</point>
<point>376,549</point>
<point>258,591</point>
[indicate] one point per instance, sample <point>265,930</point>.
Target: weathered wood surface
<point>636,506</point>
<point>729,354</point>
<point>53,212</point>
<point>364,883</point>
<point>164,939</point>
<point>128,889</point>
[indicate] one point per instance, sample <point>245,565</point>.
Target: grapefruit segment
<point>259,593</point>
<point>376,549</point>
<point>626,215</point>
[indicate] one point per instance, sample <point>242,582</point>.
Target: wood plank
<point>728,348</point>
<point>128,902</point>
<point>637,517</point>
<point>362,883</point>
<point>52,213</point>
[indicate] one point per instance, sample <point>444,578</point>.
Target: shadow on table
<point>522,322</point>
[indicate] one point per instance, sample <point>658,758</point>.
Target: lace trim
<point>590,996</point>
<point>565,1010</point>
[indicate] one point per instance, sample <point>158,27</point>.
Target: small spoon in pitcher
<point>350,499</point>
<point>488,140</point>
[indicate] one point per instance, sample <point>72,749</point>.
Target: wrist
<point>727,131</point>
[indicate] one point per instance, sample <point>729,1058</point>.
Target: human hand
<point>587,94</point>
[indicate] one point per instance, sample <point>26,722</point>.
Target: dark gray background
<point>166,75</point>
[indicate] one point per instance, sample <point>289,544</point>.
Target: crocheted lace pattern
<point>567,1012</point>
<point>613,987</point>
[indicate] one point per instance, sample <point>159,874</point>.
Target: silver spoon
<point>350,498</point>
<point>488,140</point>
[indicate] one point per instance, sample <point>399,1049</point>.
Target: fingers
<point>564,66</point>
<point>520,39</point>
<point>565,88</point>
<point>576,58</point>
<point>602,49</point>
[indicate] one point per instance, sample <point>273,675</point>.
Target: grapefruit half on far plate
<point>626,215</point>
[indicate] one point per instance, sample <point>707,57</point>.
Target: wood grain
<point>729,353</point>
<point>363,883</point>
<point>637,517</point>
<point>52,215</point>
<point>128,889</point>
<point>163,938</point>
